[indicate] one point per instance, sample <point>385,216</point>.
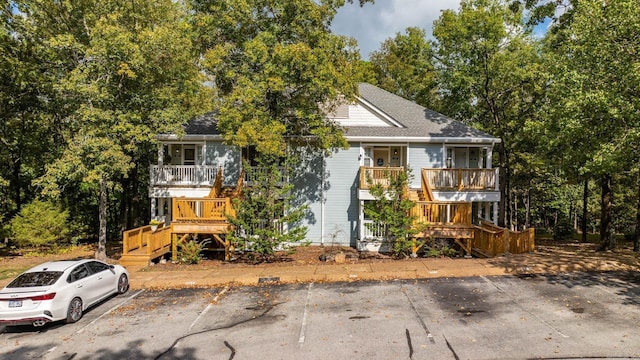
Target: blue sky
<point>374,23</point>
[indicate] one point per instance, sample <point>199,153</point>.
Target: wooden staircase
<point>190,217</point>
<point>143,244</point>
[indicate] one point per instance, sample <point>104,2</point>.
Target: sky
<point>374,23</point>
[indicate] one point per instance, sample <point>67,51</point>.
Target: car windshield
<point>40,278</point>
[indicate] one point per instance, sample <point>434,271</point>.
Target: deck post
<point>174,248</point>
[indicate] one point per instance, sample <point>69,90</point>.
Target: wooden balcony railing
<point>147,239</point>
<point>183,175</point>
<point>257,172</point>
<point>377,175</point>
<point>461,179</point>
<point>442,213</point>
<point>199,210</point>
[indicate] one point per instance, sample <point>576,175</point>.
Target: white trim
<point>378,112</point>
<point>411,139</point>
<point>188,138</point>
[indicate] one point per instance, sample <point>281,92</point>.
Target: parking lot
<point>582,315</point>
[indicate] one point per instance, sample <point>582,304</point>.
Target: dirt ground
<point>549,256</point>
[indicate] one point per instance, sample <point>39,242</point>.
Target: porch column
<point>495,213</point>
<point>160,154</point>
<point>161,203</point>
<point>487,211</point>
<point>154,210</point>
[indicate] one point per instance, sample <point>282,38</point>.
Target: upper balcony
<point>183,175</point>
<point>197,175</point>
<point>437,179</point>
<point>461,179</point>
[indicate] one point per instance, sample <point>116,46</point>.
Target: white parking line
<point>524,309</point>
<point>110,311</point>
<point>303,327</point>
<point>215,300</point>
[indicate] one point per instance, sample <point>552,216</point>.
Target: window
<point>40,278</point>
<point>97,267</point>
<point>80,272</point>
<point>183,154</point>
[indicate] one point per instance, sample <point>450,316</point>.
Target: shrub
<point>563,229</point>
<point>40,224</point>
<point>190,252</point>
<point>440,248</point>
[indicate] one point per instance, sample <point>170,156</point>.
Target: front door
<point>381,156</point>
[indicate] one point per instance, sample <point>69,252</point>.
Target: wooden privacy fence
<point>145,238</point>
<point>492,240</point>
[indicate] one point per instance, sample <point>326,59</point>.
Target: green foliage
<point>439,248</point>
<point>190,252</point>
<point>265,209</point>
<point>40,224</point>
<point>391,211</point>
<point>563,229</point>
<point>278,69</point>
<point>488,67</point>
<point>404,66</point>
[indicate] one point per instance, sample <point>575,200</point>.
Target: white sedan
<point>59,290</point>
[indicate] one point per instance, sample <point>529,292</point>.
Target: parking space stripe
<point>417,315</point>
<point>303,327</point>
<point>206,309</point>
<point>513,300</point>
<point>110,311</point>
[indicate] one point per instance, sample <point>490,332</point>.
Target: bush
<point>190,252</point>
<point>563,229</point>
<point>40,224</point>
<point>440,248</point>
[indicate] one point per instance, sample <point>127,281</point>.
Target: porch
<point>190,216</point>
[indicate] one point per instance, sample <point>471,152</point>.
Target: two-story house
<point>453,181</point>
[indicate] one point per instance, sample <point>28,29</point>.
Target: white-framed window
<point>183,154</point>
<point>466,157</point>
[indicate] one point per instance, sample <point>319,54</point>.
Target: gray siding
<point>341,199</point>
<point>423,156</point>
<point>226,156</point>
<point>307,181</point>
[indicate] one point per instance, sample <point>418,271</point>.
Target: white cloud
<point>374,23</point>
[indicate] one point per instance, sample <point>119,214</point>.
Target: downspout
<point>322,201</point>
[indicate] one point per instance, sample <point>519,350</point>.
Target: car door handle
<point>100,278</point>
<point>79,286</point>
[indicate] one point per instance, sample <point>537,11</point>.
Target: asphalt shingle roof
<point>417,121</point>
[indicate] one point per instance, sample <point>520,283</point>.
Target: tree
<point>132,73</point>
<point>404,66</point>
<point>487,66</point>
<point>278,70</point>
<point>595,90</point>
<point>391,212</point>
<point>264,210</point>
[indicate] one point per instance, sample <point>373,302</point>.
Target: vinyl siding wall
<point>228,157</point>
<point>341,202</point>
<point>423,156</point>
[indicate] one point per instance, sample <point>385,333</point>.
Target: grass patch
<point>11,273</point>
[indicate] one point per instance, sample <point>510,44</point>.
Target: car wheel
<point>123,284</point>
<point>74,313</point>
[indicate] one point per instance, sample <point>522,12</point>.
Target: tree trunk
<point>503,175</point>
<point>527,216</point>
<point>585,210</point>
<point>636,237</point>
<point>607,238</point>
<point>101,252</point>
